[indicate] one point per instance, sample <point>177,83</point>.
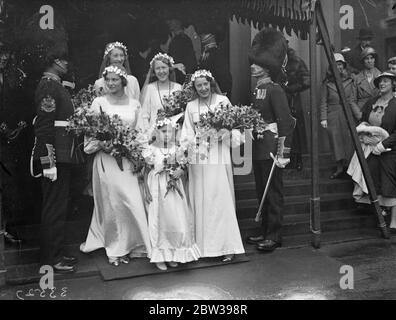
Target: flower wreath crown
<point>162,55</point>
<point>116,70</point>
<point>201,74</point>
<point>114,45</point>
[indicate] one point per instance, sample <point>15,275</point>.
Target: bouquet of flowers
<point>176,102</point>
<point>231,118</point>
<point>173,162</point>
<point>103,127</point>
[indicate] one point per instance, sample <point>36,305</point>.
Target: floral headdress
<point>201,74</point>
<point>115,69</point>
<point>114,45</point>
<point>164,56</point>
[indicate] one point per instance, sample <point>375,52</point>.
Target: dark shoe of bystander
<point>268,245</point>
<point>255,240</point>
<point>63,268</point>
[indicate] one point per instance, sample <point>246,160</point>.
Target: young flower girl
<point>170,218</point>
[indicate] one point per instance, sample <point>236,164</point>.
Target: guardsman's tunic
<point>271,102</point>
<point>54,147</point>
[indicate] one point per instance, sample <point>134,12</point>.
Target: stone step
<point>247,190</point>
<point>300,224</point>
<point>289,174</point>
<point>299,205</point>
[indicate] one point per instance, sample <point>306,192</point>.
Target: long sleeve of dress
<point>92,145</point>
<point>323,102</point>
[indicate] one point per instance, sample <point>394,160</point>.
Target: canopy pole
<point>351,125</point>
<point>315,196</point>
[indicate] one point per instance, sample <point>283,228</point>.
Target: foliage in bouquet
<point>91,123</point>
<point>176,102</point>
<point>232,117</point>
<point>174,161</point>
<point>125,145</point>
<point>85,97</point>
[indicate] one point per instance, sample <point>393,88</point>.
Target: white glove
<point>280,162</point>
<point>51,174</point>
<point>379,148</point>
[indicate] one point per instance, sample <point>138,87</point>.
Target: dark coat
<point>216,64</point>
<point>331,110</point>
<point>182,51</point>
<point>54,144</point>
<point>271,102</point>
<point>298,80</point>
<point>383,167</point>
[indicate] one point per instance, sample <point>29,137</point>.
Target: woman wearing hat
<point>364,81</point>
<point>332,116</point>
<point>381,112</point>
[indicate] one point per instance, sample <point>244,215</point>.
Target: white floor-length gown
<point>171,221</point>
<point>119,222</point>
<point>211,191</point>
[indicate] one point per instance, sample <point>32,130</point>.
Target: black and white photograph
<point>214,153</point>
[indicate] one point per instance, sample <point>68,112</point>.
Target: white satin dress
<point>211,191</point>
<point>119,222</point>
<point>171,221</point>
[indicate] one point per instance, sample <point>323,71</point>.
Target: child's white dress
<point>171,222</point>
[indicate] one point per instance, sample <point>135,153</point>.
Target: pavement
<point>286,274</point>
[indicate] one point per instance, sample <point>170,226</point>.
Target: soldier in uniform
<point>267,57</point>
<point>54,155</point>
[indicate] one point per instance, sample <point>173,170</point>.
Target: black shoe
<point>63,268</point>
<point>255,240</point>
<point>69,260</point>
<point>268,245</point>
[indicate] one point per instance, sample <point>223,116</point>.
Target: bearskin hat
<point>269,50</point>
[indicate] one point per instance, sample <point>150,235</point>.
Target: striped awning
<point>287,15</point>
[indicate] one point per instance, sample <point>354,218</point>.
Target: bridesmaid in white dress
<point>159,83</point>
<point>170,218</point>
<point>211,185</point>
<point>119,221</point>
<point>117,53</point>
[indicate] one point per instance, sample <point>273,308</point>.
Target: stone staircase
<point>338,210</point>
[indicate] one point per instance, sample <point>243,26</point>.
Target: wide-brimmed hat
<point>392,60</point>
<point>367,52</point>
<point>386,74</point>
<point>338,57</point>
<point>366,34</point>
<point>365,127</point>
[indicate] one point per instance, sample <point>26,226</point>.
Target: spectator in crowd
<point>332,116</point>
<point>392,65</point>
<point>298,80</point>
<point>181,49</point>
<point>214,61</point>
<point>353,57</point>
<point>364,80</point>
<point>380,112</point>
